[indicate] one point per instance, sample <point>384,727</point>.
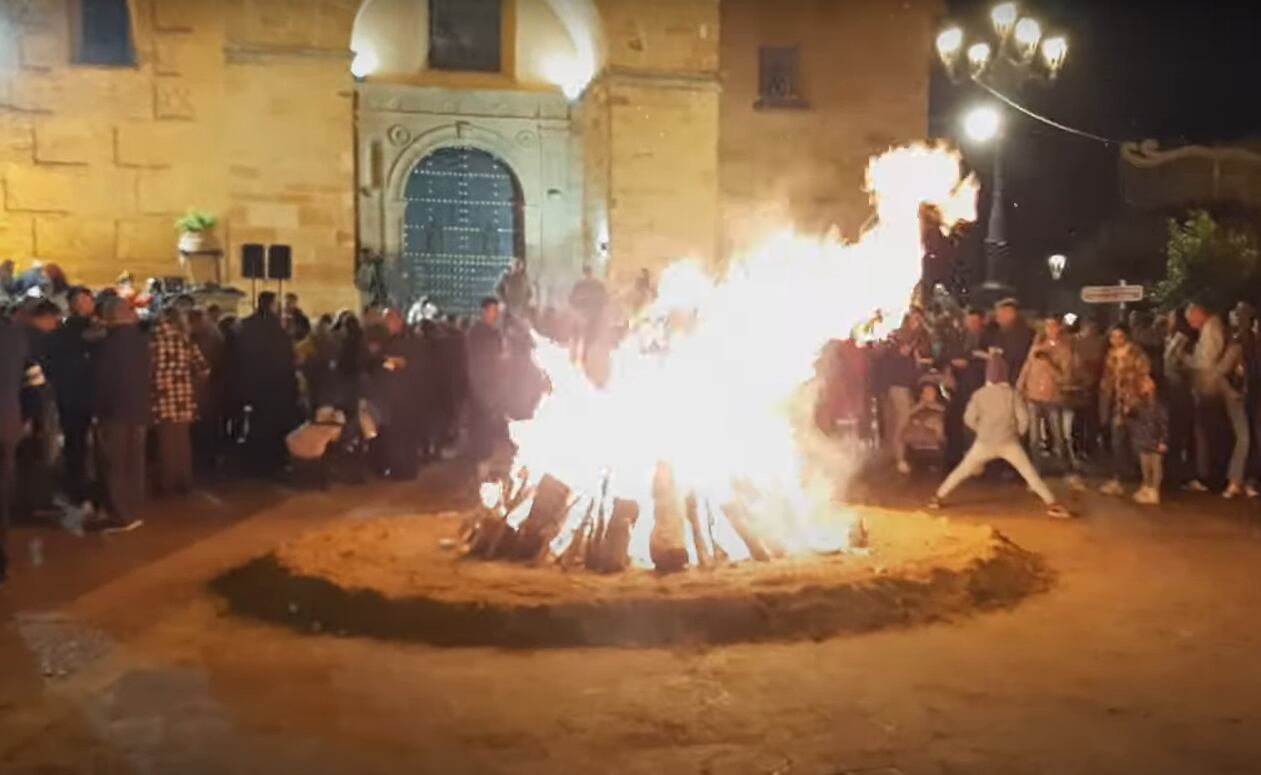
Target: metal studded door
<point>462,227</point>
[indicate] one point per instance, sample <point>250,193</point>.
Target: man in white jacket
<point>999,418</point>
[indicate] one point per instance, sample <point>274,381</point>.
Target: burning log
<point>701,536</point>
<point>740,519</point>
<point>551,502</point>
<point>666,547</point>
<point>610,552</point>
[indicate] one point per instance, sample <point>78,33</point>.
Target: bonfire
<point>702,452</point>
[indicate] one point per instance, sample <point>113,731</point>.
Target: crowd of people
<point>108,397</point>
<point>1171,400</point>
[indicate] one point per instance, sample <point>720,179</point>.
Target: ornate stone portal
<point>530,133</point>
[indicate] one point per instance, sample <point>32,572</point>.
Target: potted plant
<point>196,230</point>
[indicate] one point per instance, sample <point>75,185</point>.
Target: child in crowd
<point>309,443</point>
<point>999,417</point>
<point>1149,429</point>
<point>925,435</point>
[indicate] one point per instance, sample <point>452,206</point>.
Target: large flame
<point>722,404</point>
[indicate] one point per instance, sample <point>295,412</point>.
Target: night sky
<point>1178,72</point>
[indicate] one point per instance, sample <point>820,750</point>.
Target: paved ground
<point>1146,658</point>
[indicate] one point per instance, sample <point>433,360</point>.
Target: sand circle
<point>402,578</point>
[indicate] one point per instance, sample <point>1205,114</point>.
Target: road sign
<point>1112,294</point>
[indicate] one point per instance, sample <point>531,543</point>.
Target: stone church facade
<point>446,136</point>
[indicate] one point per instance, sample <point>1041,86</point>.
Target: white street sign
<point>1112,294</point>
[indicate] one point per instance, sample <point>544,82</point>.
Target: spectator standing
<point>588,299</point>
<point>14,353</point>
<point>1011,336</point>
<point>967,370</point>
<point>1179,459</point>
<point>486,353</point>
<point>1149,429</point>
<point>1046,371</point>
<point>178,366</point>
<point>901,366</point>
<point>123,412</point>
<point>208,431</point>
<point>266,375</point>
<point>1245,324</point>
<point>1217,369</point>
<point>1123,373</point>
<point>72,351</point>
<point>1090,349</point>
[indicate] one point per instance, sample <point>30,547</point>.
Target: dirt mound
<point>391,578</point>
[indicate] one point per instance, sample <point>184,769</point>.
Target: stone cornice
<point>247,53</point>
<point>1149,154</point>
<point>487,103</point>
<point>690,80</point>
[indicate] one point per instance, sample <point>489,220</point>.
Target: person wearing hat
<point>999,418</point>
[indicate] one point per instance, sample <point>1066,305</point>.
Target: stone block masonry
<point>240,109</point>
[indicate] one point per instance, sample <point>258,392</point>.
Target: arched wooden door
<point>462,227</point>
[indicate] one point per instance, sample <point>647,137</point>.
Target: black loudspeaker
<point>279,262</point>
<point>252,256</point>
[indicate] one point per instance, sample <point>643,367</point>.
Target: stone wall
<point>864,71</point>
<point>653,135</point>
<point>238,107</point>
<point>246,108</point>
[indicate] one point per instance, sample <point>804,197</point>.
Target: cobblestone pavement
<point>1144,658</point>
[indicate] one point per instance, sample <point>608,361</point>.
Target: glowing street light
<point>1003,56</point>
<point>1057,264</point>
<point>1054,51</point>
<point>1004,18</point>
<point>982,123</point>
<point>1028,33</point>
<point>948,44</point>
<point>978,56</point>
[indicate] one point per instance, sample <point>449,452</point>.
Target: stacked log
<point>667,548</point>
<point>595,530</point>
<point>551,502</point>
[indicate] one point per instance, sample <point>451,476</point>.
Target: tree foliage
<point>1209,263</point>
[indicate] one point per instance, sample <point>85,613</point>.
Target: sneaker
<point>1075,483</point>
<point>1195,485</point>
<point>1233,490</point>
<point>1251,490</point>
<point>936,504</point>
<point>1056,511</point>
<point>1146,496</point>
<point>1112,487</point>
<point>904,467</point>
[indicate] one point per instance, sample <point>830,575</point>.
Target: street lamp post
<point>1015,54</point>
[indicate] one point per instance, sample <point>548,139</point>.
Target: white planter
<point>197,241</point>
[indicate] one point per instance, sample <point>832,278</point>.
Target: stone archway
<point>462,227</point>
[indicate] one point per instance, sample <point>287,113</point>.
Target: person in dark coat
<point>123,411</point>
<point>265,369</point>
<point>485,348</point>
<point>1010,335</point>
<point>967,368</point>
<point>393,364</point>
<point>72,351</point>
<point>39,448</point>
<point>14,359</point>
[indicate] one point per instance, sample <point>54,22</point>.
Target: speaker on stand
<point>280,265</point>
<point>253,257</point>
